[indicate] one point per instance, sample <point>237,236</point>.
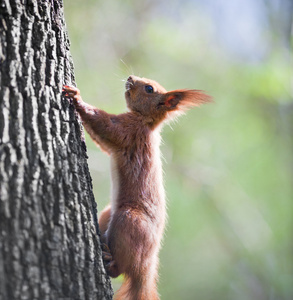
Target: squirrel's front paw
<point>71,92</point>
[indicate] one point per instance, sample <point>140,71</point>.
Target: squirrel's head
<point>151,100</point>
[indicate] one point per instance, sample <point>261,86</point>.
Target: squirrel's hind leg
<point>104,220</point>
<point>110,264</point>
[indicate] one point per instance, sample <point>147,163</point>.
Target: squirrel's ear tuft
<point>183,99</point>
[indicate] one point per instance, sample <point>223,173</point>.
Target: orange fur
<point>132,227</point>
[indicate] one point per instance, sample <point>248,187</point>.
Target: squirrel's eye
<point>149,89</point>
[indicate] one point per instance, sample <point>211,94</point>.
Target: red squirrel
<point>132,226</point>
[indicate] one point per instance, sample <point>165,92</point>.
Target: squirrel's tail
<point>138,289</point>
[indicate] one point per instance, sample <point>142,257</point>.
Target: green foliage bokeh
<point>228,165</point>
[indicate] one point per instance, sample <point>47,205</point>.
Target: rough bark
<point>49,247</point>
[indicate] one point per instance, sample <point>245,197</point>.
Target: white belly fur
<point>114,184</point>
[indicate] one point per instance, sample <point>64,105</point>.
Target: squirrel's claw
<point>109,264</point>
<point>105,247</point>
<point>106,253</point>
<point>107,257</point>
<point>71,92</point>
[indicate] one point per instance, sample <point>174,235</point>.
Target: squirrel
<point>132,226</point>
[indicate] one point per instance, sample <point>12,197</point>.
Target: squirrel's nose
<point>130,79</point>
<point>129,83</point>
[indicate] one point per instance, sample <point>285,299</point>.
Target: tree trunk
<point>49,247</point>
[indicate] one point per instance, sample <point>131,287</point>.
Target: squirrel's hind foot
<point>109,264</point>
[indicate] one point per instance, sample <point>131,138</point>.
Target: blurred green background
<point>228,165</point>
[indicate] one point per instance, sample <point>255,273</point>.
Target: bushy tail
<point>137,289</point>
